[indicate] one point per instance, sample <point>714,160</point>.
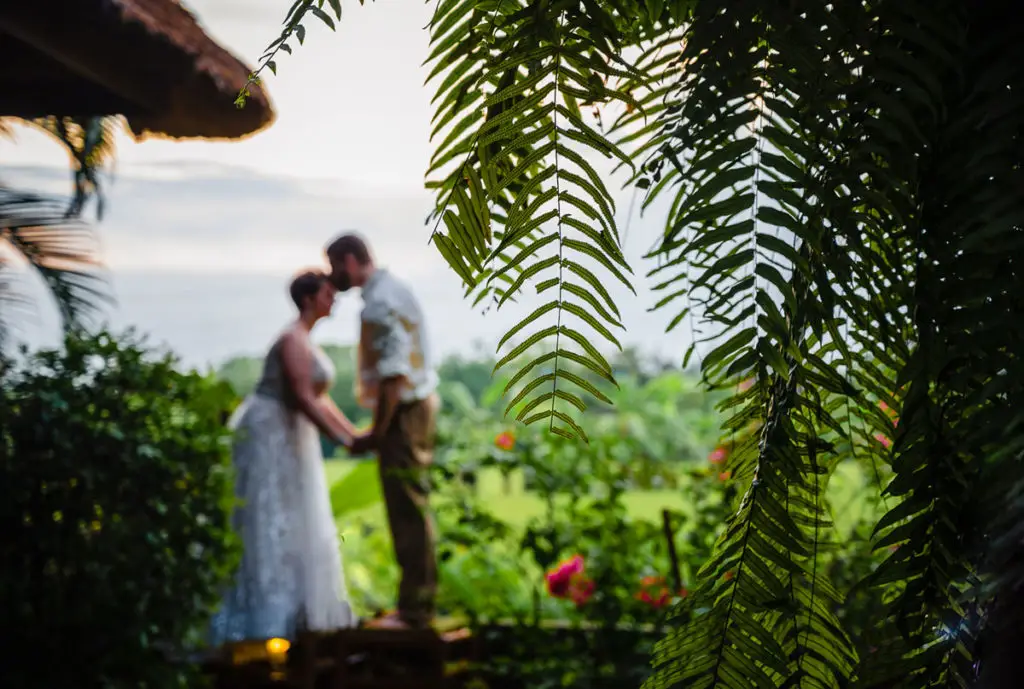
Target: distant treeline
<point>475,373</point>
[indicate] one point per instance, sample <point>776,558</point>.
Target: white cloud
<point>202,236</point>
<point>200,257</point>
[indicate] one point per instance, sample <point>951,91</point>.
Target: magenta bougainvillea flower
<point>567,580</point>
<point>560,578</point>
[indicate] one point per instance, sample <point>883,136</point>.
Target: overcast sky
<point>200,238</point>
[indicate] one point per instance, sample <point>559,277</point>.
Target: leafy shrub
<point>115,496</point>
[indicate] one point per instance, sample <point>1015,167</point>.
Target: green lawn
<point>369,563</point>
<point>517,506</point>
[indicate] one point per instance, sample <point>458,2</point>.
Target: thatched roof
<point>148,60</point>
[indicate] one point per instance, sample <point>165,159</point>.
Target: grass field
<point>372,573</point>
<point>360,499</point>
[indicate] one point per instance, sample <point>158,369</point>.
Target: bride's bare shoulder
<point>292,336</point>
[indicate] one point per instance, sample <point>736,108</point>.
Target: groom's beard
<point>342,281</point>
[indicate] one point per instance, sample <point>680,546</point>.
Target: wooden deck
<point>362,658</point>
<point>448,656</point>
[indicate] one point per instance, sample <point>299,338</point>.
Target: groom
<point>397,380</point>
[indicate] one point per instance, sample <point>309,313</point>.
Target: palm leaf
<point>62,250</point>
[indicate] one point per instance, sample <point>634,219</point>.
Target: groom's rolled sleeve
<point>393,346</point>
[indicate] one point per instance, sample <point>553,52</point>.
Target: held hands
<point>362,443</point>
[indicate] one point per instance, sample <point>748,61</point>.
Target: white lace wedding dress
<point>290,577</point>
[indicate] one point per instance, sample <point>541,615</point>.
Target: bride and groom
<point>290,578</point>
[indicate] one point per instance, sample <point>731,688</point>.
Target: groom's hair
<point>306,285</point>
<point>349,245</point>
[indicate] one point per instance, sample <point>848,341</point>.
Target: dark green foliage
<point>115,495</point>
<point>844,231</point>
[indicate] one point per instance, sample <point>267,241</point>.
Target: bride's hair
<point>306,284</point>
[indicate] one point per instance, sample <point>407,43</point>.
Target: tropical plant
<point>89,142</point>
<point>116,492</point>
<point>37,231</point>
<point>49,235</point>
<point>844,228</point>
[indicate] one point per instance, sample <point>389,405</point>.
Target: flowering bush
<point>582,555</point>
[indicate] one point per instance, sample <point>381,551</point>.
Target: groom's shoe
<point>391,623</point>
<point>390,620</point>
<point>394,620</point>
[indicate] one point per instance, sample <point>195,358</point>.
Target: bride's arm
<point>297,361</point>
<point>337,415</point>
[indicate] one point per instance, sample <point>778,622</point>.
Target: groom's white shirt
<point>398,337</point>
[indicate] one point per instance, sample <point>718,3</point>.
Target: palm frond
<point>90,143</point>
<point>62,250</point>
<point>519,198</point>
<point>745,149</point>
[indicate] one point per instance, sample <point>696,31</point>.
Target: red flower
<point>717,455</point>
<point>505,441</point>
<point>560,579</point>
<point>656,600</point>
<point>725,476</point>
<point>886,443</point>
<point>729,575</point>
<point>655,593</point>
<point>581,589</point>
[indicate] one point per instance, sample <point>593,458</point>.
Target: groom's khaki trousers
<point>406,453</point>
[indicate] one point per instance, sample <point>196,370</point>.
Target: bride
<point>290,578</point>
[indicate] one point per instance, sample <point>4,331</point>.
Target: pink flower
<point>560,579</point>
<point>717,455</point>
<point>886,443</point>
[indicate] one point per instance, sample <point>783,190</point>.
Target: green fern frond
<point>745,148</point>
<point>328,12</point>
<point>520,201</point>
